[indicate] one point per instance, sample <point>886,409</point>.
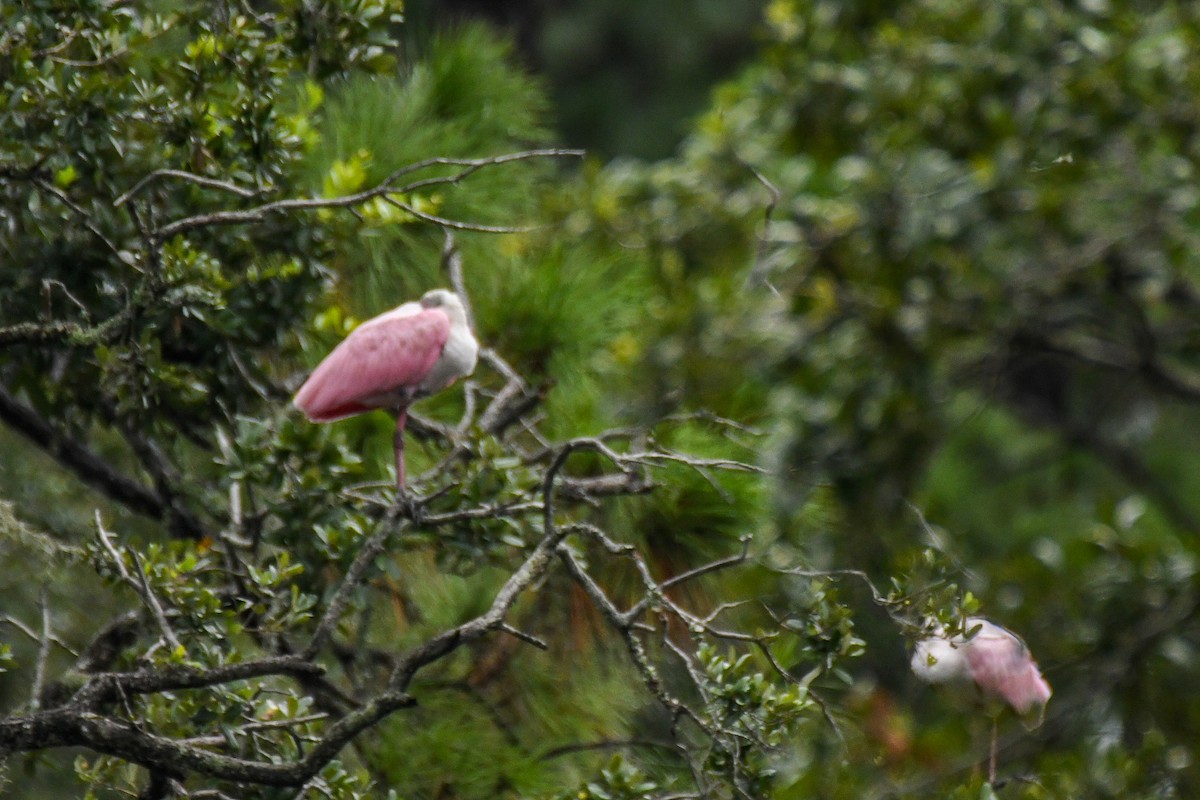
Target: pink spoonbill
<point>990,658</point>
<point>392,360</point>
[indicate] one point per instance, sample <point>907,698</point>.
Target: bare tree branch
<point>386,187</point>
<point>90,468</point>
<point>82,213</point>
<point>7,619</point>
<point>39,676</point>
<point>65,727</point>
<point>200,180</point>
<point>625,458</point>
<point>534,566</point>
<point>141,585</point>
<point>452,264</point>
<point>452,224</point>
<point>352,580</point>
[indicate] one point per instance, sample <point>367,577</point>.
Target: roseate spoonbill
<point>992,659</point>
<point>392,360</point>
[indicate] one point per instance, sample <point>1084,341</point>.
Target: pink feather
<point>995,660</point>
<point>1002,667</point>
<point>379,365</point>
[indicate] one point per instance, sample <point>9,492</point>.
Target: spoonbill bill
<point>391,361</point>
<point>990,658</point>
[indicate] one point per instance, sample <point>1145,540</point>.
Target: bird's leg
<point>398,442</point>
<point>406,501</point>
<point>992,758</point>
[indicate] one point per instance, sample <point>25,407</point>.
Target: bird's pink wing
<point>379,363</point>
<point>1002,666</point>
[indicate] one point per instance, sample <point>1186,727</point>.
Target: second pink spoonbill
<point>994,660</point>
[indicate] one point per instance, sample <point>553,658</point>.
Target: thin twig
<point>354,577</point>
<point>528,638</point>
<point>452,263</point>
<point>383,189</point>
<point>141,586</point>
<point>453,224</point>
<point>98,61</point>
<point>713,566</point>
<point>258,725</point>
<point>39,674</point>
<point>65,199</point>
<point>51,283</point>
<point>32,634</point>
<point>201,180</point>
<point>759,270</point>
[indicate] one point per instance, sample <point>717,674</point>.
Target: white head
<point>447,301</point>
<point>941,658</point>
<point>940,661</point>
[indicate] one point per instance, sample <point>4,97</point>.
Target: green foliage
<point>949,249</point>
<point>97,99</point>
<point>617,781</point>
<point>465,99</point>
<point>933,255</point>
<point>120,121</point>
<point>746,702</point>
<point>825,625</point>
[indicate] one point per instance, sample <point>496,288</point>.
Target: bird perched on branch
<point>391,361</point>
<point>990,658</point>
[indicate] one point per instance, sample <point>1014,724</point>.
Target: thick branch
<point>110,686</point>
<point>39,332</point>
<point>68,727</point>
<point>72,333</point>
<point>91,469</point>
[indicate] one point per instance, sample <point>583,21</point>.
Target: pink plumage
<point>391,361</point>
<point>1001,666</point>
<point>995,660</point>
<point>379,365</point>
